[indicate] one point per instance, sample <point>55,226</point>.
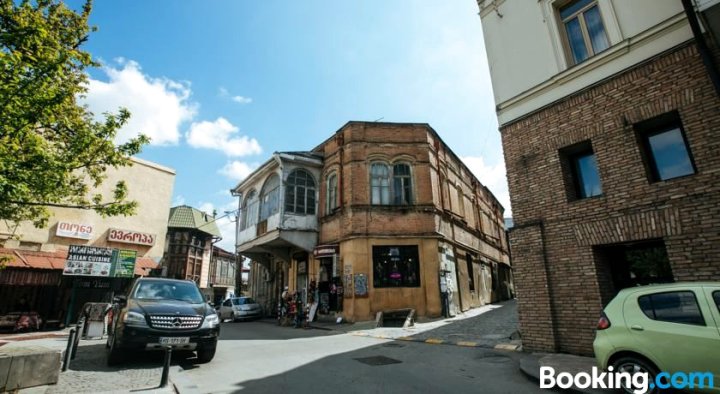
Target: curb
<point>438,341</point>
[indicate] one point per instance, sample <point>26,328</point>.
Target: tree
<point>53,152</point>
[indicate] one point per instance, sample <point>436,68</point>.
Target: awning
<point>56,260</point>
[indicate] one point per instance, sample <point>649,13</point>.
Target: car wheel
<point>114,355</point>
<point>205,355</point>
<point>633,365</point>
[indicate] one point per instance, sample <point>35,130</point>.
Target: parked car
<point>662,328</point>
<point>240,308</point>
<point>162,312</point>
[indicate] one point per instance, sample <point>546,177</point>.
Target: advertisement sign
<point>130,237</point>
<point>326,251</point>
<point>88,261</point>
<point>123,263</point>
<point>74,230</point>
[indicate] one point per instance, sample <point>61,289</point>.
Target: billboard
<point>103,262</point>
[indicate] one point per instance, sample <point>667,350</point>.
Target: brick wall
<point>683,212</point>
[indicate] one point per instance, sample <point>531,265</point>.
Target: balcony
<point>277,235</point>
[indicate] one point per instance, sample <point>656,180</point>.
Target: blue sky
<point>220,85</point>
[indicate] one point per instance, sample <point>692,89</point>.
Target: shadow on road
<point>93,358</point>
<point>267,330</point>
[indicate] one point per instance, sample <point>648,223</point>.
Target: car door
<point>226,309</point>
<point>675,328</point>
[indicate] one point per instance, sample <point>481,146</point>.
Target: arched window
<point>402,184</point>
<point>250,210</point>
<point>332,192</point>
<point>300,193</point>
<point>269,197</point>
<point>380,184</point>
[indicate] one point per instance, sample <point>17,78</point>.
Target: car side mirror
<point>120,300</point>
<point>211,303</point>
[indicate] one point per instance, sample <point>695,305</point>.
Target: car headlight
<point>134,319</point>
<point>211,321</point>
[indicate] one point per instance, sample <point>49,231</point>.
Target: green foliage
<point>52,151</point>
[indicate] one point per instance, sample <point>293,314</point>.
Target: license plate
<point>174,340</point>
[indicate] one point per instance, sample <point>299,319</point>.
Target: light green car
<point>663,328</point>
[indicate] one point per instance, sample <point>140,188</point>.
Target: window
<point>300,193</point>
<point>716,297</point>
<point>250,209</point>
<point>380,184</point>
<point>332,193</point>
<point>674,307</point>
<point>584,29</point>
<point>382,192</point>
<point>471,273</point>
<point>269,197</point>
<point>402,184</point>
<point>664,148</point>
<point>396,266</point>
<point>582,179</point>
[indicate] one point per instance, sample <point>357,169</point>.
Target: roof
<point>56,260</point>
<point>184,216</point>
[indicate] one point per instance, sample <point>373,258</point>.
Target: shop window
<point>396,266</point>
<point>665,150</point>
<point>580,171</point>
<point>673,307</point>
<point>584,29</point>
<point>300,193</point>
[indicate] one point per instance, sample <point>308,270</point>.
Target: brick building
<point>375,216</point>
<point>609,122</point>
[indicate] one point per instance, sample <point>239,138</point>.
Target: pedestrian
<point>444,296</point>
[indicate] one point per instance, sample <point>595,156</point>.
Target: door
<point>675,328</point>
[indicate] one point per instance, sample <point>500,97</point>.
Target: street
<point>262,357</point>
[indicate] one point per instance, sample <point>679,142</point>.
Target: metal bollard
<point>166,367</point>
<point>69,350</point>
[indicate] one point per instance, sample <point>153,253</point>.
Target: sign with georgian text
<point>74,230</point>
<point>131,237</point>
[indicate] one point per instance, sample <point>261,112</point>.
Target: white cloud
<point>219,135</point>
<point>179,200</point>
<point>237,170</point>
<point>238,99</point>
<point>158,105</point>
<point>493,177</point>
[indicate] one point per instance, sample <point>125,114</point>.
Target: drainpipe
<point>702,45</point>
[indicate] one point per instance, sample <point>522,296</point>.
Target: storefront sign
<point>326,251</point>
<point>88,261</point>
<point>131,237</point>
<point>92,283</point>
<point>74,230</point>
<point>123,263</point>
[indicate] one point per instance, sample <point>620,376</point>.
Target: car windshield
<point>165,290</point>
<point>243,301</point>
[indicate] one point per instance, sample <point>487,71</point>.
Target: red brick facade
<point>562,283</point>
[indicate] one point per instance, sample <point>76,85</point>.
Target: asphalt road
<point>257,357</point>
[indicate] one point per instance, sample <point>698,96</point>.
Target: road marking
<point>434,341</point>
<point>468,344</point>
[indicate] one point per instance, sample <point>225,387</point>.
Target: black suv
<point>162,312</point>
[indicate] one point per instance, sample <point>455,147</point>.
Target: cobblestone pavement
<point>89,373</point>
<point>489,326</point>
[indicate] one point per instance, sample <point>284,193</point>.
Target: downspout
<point>702,45</point>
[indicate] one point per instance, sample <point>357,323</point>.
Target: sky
<point>221,85</point>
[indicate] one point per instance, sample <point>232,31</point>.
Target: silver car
<point>240,308</point>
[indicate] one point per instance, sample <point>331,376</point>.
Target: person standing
<point>444,295</point>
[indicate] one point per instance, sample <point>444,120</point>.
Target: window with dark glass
<point>269,197</point>
<point>402,184</point>
<point>673,307</point>
<point>716,297</point>
<point>396,266</point>
<point>332,193</point>
<point>300,193</point>
<point>664,148</point>
<point>584,29</point>
<point>580,170</point>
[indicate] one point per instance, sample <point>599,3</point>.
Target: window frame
<point>265,198</point>
<point>406,193</point>
<point>248,203</point>
<point>331,193</point>
<point>587,40</point>
<point>292,190</point>
<point>572,174</point>
<point>658,125</point>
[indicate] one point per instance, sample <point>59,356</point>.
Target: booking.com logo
<point>640,381</point>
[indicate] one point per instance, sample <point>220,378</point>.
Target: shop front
<point>330,287</point>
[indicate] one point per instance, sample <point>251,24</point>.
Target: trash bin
<point>93,315</point>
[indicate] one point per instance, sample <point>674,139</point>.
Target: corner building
<point>375,216</point>
<point>609,121</point>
